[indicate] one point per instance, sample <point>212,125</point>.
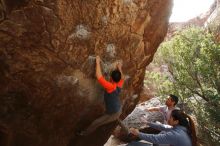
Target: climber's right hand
<point>119,65</point>
<point>98,59</point>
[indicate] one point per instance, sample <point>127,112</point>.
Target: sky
<point>184,10</point>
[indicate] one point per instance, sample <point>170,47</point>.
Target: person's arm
<point>161,127</point>
<point>107,85</point>
<point>158,126</point>
<point>121,82</point>
<point>167,138</point>
<point>98,68</point>
<point>119,66</point>
<point>152,109</point>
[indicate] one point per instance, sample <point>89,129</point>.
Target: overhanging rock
<point>48,89</point>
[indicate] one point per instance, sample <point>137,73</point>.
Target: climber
<point>179,132</point>
<point>111,97</point>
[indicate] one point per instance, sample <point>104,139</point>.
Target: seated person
<point>179,132</point>
<point>166,110</point>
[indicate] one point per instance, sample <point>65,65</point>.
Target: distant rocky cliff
<point>213,22</point>
<point>48,90</point>
<point>200,21</point>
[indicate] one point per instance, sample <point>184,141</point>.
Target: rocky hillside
<point>200,21</point>
<point>213,23</point>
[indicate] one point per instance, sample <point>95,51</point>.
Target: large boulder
<point>137,119</point>
<point>48,90</point>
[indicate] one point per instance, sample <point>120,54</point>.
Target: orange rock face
<point>48,89</point>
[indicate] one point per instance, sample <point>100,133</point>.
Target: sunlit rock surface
<point>135,118</point>
<point>213,23</point>
<point>48,89</point>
